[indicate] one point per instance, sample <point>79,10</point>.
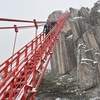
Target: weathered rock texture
<point>78,50</point>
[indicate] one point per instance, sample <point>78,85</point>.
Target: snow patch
<point>89,49</point>
<point>97,53</point>
<point>62,77</point>
<point>84,63</point>
<point>58,83</point>
<point>70,79</point>
<point>71,36</point>
<point>61,99</point>
<point>98,1</point>
<point>95,62</point>
<point>85,59</point>
<point>71,19</point>
<point>78,17</point>
<point>81,45</point>
<point>58,99</point>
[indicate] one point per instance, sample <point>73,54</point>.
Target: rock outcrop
<point>78,50</point>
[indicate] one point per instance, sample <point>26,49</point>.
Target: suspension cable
<point>16,30</point>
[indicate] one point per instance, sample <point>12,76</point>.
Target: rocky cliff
<point>78,50</point>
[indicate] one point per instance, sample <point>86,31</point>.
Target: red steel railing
<point>18,74</point>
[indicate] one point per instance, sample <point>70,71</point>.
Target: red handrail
<point>27,63</point>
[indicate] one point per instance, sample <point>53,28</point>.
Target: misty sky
<point>29,9</point>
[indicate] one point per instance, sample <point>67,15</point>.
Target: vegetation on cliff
<point>94,15</point>
<point>61,86</point>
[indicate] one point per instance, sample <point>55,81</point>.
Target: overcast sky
<point>29,9</point>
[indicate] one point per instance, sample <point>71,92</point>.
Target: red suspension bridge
<point>18,74</point>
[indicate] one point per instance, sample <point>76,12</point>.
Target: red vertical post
<point>35,23</point>
<point>6,70</point>
<point>25,89</point>
<point>11,90</point>
<point>35,62</point>
<point>17,62</point>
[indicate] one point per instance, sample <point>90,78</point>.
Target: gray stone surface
<point>78,50</point>
<point>96,98</point>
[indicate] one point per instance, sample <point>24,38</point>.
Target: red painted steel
<point>21,27</point>
<point>27,64</point>
<point>17,20</point>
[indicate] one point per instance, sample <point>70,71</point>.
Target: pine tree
<point>94,14</point>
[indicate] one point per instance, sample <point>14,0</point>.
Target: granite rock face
<point>78,50</point>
